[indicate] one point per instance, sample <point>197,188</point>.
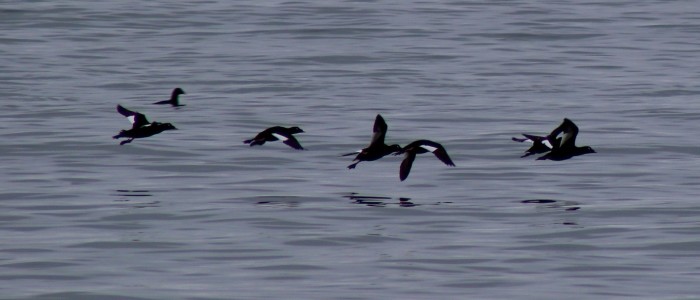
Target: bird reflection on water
<point>127,195</point>
<point>380,201</point>
<point>555,204</point>
<point>566,205</point>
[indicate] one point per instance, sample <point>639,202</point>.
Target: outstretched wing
<point>137,119</point>
<point>379,131</point>
<point>568,130</point>
<point>289,140</point>
<point>406,165</point>
<point>538,140</point>
<point>439,152</point>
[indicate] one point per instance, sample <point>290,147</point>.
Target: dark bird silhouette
<point>376,149</point>
<point>564,147</point>
<point>141,127</point>
<point>277,133</point>
<point>540,144</point>
<point>419,147</point>
<point>174,98</point>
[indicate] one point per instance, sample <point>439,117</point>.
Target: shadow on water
<point>379,201</point>
<point>133,193</point>
<point>127,195</point>
<point>272,203</point>
<point>555,205</point>
<point>547,203</point>
<point>383,201</point>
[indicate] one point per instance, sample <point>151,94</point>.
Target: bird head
<point>295,129</point>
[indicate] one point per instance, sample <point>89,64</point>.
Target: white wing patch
<point>429,148</point>
<point>566,137</point>
<point>280,137</point>
<point>546,143</point>
<point>132,119</point>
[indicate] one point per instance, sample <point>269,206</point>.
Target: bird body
<point>174,98</point>
<point>277,133</point>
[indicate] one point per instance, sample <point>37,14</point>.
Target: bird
<point>540,144</point>
<point>174,100</point>
<point>277,133</point>
<point>564,147</point>
<point>377,148</point>
<point>141,127</point>
<point>419,147</point>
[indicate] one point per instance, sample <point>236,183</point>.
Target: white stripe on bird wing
<point>429,148</point>
<point>280,137</point>
<point>546,143</point>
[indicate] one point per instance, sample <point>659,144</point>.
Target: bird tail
<point>253,142</point>
<point>120,134</point>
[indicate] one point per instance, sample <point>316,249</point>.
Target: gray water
<point>196,214</point>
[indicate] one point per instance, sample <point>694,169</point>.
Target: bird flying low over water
<point>174,98</point>
<point>277,133</point>
<point>564,147</point>
<point>556,148</point>
<point>141,127</point>
<point>419,147</point>
<point>377,148</point>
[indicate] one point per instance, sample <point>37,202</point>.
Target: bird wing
<point>568,130</point>
<point>534,139</point>
<point>137,119</point>
<point>538,139</point>
<point>439,152</point>
<point>379,131</point>
<point>289,140</point>
<point>406,165</point>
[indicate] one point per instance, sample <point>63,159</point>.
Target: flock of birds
<point>559,145</point>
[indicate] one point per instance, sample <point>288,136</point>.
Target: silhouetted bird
<point>419,147</point>
<point>376,149</point>
<point>277,133</point>
<point>565,147</point>
<point>141,127</point>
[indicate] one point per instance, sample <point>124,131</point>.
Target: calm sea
<point>196,214</point>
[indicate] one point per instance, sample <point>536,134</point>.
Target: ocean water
<point>196,214</point>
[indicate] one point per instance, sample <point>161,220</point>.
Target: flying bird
<point>564,147</point>
<point>419,147</point>
<point>141,127</point>
<point>377,148</point>
<point>277,133</point>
